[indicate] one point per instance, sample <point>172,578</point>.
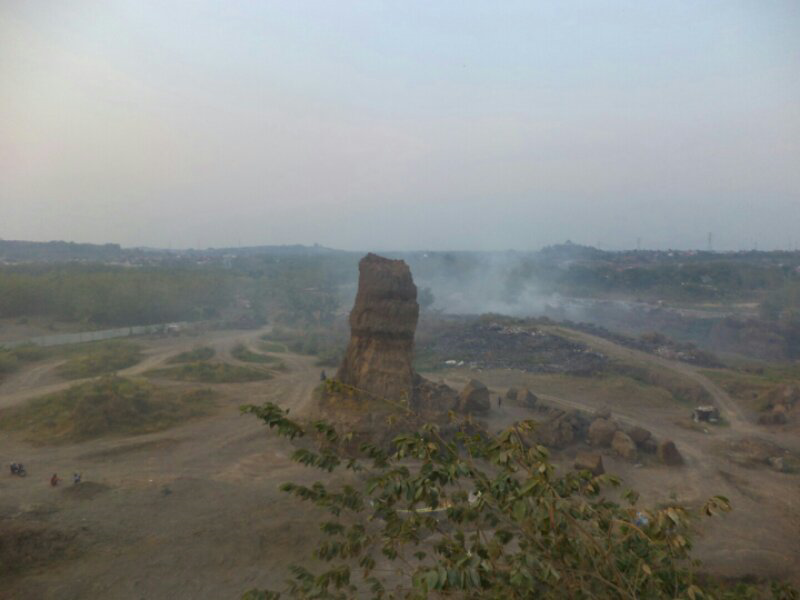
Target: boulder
<point>649,446</point>
<point>474,398</point>
<point>639,435</point>
<point>593,463</point>
<point>555,433</point>
<point>429,397</point>
<point>668,453</point>
<point>601,432</point>
<point>623,445</point>
<point>512,394</point>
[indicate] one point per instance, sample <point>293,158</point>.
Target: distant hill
<point>21,251</point>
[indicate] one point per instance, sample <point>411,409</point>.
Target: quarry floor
<point>195,511</point>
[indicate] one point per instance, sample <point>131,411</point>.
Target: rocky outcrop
<point>668,453</point>
<point>589,462</point>
<point>624,446</point>
<point>429,397</point>
<point>474,398</point>
<point>377,364</point>
<point>601,432</point>
<point>639,435</point>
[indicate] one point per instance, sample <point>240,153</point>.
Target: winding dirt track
<point>195,511</point>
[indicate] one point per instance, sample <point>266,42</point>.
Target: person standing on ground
<point>54,480</point>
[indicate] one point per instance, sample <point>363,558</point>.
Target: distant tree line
<point>113,296</point>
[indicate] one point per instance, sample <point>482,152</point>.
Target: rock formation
<point>601,432</point>
<point>474,398</point>
<point>623,445</point>
<point>589,462</point>
<point>382,324</point>
<point>669,454</point>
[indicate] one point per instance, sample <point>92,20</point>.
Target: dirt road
<point>195,511</point>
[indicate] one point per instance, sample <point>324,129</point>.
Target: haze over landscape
<point>394,125</point>
<point>458,300</point>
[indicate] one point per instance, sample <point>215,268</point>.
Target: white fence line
<point>62,339</point>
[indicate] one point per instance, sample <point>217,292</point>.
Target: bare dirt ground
<point>195,511</point>
<point>760,536</point>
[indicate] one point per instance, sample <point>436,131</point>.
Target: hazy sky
<point>401,125</point>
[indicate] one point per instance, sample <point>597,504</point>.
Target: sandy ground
<point>195,511</point>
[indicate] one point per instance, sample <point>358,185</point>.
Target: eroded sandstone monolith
<point>382,324</point>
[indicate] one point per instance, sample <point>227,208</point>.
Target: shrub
<point>480,516</point>
<point>195,354</point>
<point>211,373</point>
<point>102,358</point>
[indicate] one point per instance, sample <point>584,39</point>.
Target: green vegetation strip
<point>195,354</point>
<point>106,406</point>
<point>243,353</point>
<point>211,373</point>
<point>102,358</point>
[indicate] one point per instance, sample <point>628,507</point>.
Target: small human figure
<point>323,376</point>
<point>499,401</point>
<point>76,478</point>
<point>54,480</point>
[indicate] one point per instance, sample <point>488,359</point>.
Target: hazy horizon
<point>401,126</point>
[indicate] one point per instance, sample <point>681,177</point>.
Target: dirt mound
<point>382,325</point>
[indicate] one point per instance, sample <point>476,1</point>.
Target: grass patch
<point>109,405</point>
<point>327,345</point>
<point>102,358</point>
<point>211,373</point>
<point>268,346</point>
<point>243,353</point>
<point>193,355</point>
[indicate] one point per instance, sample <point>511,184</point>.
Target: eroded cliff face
<point>382,325</point>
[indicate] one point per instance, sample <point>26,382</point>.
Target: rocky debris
<point>429,397</point>
<point>623,445</point>
<point>474,398</point>
<point>601,432</point>
<point>589,462</point>
<point>514,344</point>
<point>639,435</point>
<point>382,325</point>
<point>668,453</point>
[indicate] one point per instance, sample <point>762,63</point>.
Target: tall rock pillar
<point>382,325</point>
